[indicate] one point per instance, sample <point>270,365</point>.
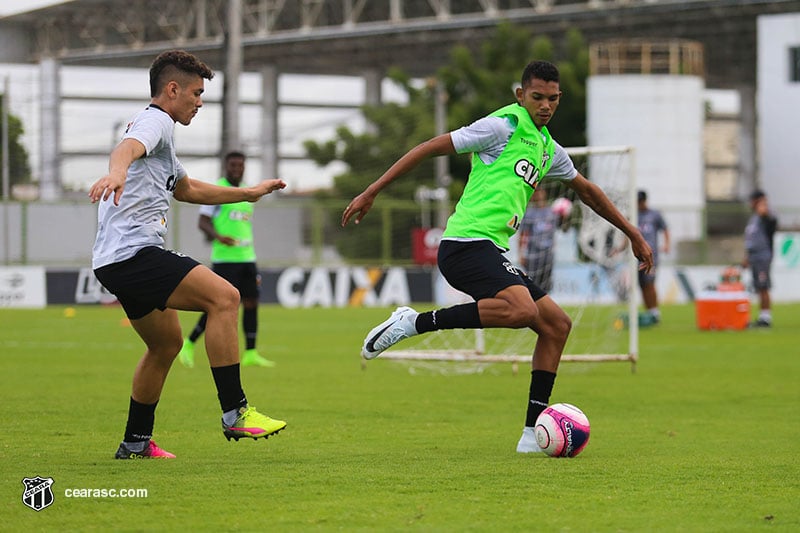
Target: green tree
<point>19,169</point>
<point>476,83</point>
<point>394,129</point>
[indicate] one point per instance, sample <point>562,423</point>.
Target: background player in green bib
<point>512,152</point>
<point>229,228</point>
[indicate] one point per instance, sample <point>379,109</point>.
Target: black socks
<point>141,418</point>
<point>250,326</point>
<point>199,328</point>
<point>463,316</point>
<point>539,395</point>
<point>229,387</point>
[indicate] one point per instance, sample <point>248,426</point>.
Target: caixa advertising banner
<point>289,287</point>
<point>22,286</point>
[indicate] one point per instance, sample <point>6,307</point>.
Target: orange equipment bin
<point>722,309</point>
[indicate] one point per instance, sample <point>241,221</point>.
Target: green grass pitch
<point>703,437</point>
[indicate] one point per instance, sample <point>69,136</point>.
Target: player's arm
<point>361,204</point>
<point>206,225</point>
<point>594,197</point>
<point>199,192</point>
<point>122,156</point>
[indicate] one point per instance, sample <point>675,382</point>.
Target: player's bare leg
<point>203,290</point>
<point>161,333</point>
<point>514,307</point>
<point>650,299</point>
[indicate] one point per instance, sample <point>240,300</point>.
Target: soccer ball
<point>562,430</point>
<point>562,207</point>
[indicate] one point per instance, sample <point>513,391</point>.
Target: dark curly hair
<point>174,63</point>
<point>539,70</point>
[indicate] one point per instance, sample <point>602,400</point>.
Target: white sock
<point>137,447</point>
<point>229,417</point>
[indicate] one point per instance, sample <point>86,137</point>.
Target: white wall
<point>778,107</point>
<point>662,117</point>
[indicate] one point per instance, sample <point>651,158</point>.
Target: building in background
<point>778,108</point>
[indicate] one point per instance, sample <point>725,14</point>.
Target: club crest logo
<point>37,494</point>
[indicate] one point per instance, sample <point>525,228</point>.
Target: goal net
<point>593,275</point>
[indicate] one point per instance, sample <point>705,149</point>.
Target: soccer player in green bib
<point>229,228</point>
<point>512,152</point>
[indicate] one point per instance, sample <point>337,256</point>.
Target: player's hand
<point>360,206</point>
<point>111,183</point>
<point>643,253</point>
<point>266,187</point>
<point>227,241</point>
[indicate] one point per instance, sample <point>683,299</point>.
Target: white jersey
<point>488,137</point>
<point>140,220</point>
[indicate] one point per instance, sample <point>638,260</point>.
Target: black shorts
<point>759,268</point>
<point>479,269</point>
<point>243,276</point>
<point>145,281</point>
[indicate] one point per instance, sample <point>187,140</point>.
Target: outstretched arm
<point>594,197</point>
<point>361,204</point>
<point>122,156</point>
<point>199,192</point>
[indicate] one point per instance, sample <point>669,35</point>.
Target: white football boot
<point>400,325</point>
<point>527,442</point>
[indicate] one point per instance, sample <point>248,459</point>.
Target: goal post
<point>594,279</point>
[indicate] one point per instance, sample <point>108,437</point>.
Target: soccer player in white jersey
<point>512,152</point>
<point>150,282</point>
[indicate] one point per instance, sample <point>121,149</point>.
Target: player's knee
<point>174,345</point>
<point>556,326</point>
<point>227,299</point>
<point>562,325</point>
<point>166,349</point>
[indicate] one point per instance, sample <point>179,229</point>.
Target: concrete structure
<point>778,100</point>
<point>649,95</point>
<point>354,37</point>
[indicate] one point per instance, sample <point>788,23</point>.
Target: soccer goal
<point>594,278</point>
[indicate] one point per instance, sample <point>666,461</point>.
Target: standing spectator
<point>758,237</point>
<point>537,239</point>
<point>651,223</point>
<point>229,228</point>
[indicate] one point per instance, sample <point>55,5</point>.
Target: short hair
<point>642,196</point>
<point>234,154</point>
<point>539,70</point>
<point>174,62</point>
<point>757,195</point>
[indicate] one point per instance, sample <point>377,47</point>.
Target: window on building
<point>794,64</point>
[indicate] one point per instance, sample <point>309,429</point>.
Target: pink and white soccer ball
<point>562,207</point>
<point>562,430</point>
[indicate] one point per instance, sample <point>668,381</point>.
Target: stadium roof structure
<point>351,36</point>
